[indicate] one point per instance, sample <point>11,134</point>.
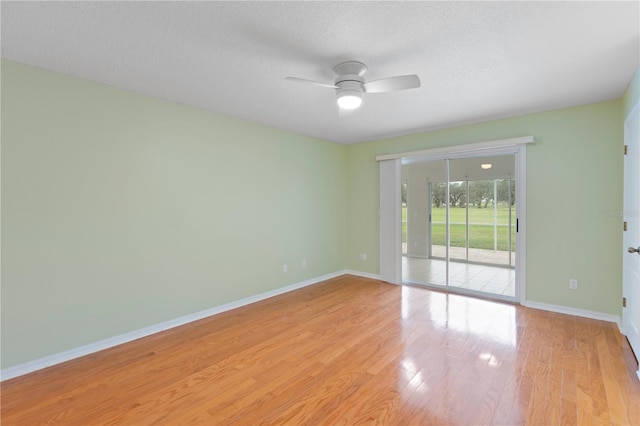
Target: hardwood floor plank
<point>525,391</point>
<point>568,401</point>
<point>349,350</point>
<point>613,394</point>
<point>509,394</point>
<point>537,412</point>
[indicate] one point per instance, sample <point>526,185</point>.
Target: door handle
<point>634,250</point>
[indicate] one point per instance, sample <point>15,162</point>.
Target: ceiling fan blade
<point>392,84</point>
<point>315,83</point>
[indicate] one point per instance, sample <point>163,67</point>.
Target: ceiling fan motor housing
<point>350,68</point>
<point>350,79</point>
<point>349,87</point>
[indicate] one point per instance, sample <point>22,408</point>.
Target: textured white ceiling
<point>477,60</point>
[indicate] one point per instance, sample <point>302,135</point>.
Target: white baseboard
<point>48,361</point>
<point>576,312</point>
<point>362,274</point>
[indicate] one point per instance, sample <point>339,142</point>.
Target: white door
<point>631,237</point>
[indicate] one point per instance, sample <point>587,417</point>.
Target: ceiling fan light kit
<point>350,84</point>
<point>349,94</point>
<point>349,100</point>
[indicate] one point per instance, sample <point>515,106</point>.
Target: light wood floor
<point>348,351</point>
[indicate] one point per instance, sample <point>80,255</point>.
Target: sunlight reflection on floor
<point>467,337</point>
<point>487,319</point>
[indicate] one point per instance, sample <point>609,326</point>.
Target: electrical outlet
<point>363,256</point>
<point>304,263</point>
<point>573,284</point>
<point>284,268</point>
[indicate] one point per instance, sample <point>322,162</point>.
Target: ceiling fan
<point>350,84</point>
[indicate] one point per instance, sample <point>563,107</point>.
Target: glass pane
<point>423,241</point>
<point>458,220</point>
<point>507,217</point>
<point>484,226</point>
<point>438,219</point>
<point>485,235</point>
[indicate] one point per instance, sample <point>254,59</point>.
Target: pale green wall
<point>632,94</point>
<point>120,211</point>
<point>574,176</point>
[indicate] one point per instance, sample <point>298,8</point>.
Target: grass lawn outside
<point>480,228</point>
<point>480,236</point>
<point>476,215</point>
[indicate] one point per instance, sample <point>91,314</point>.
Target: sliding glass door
<point>459,225</point>
<point>424,260</point>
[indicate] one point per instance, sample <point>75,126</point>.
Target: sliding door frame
<point>391,232</point>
